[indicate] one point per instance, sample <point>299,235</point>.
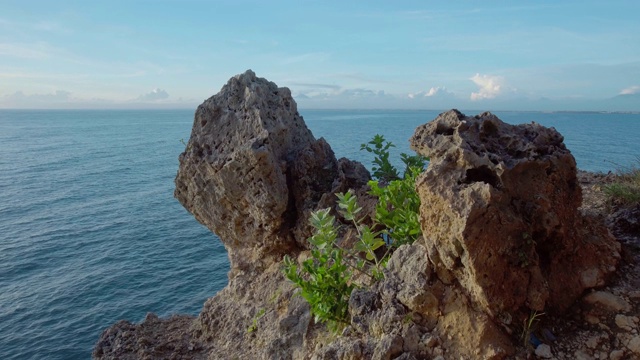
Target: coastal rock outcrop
<point>500,215</point>
<point>252,171</point>
<point>503,237</point>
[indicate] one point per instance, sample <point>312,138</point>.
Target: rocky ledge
<point>511,231</point>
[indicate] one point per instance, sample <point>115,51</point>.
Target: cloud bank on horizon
<point>529,55</point>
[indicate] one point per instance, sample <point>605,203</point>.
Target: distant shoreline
<point>470,111</point>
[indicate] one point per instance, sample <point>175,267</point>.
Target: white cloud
<point>635,89</point>
<point>490,86</point>
<point>433,91</point>
<point>437,91</point>
<point>155,95</point>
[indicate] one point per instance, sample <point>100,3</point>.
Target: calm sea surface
<point>90,232</point>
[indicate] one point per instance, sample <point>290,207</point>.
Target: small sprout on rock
<point>254,322</point>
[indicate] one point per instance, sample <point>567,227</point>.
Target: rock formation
<point>502,235</point>
<point>500,215</point>
<point>252,171</point>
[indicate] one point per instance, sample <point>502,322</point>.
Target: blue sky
<point>486,55</point>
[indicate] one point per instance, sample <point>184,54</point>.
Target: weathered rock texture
<point>500,215</point>
<point>502,234</point>
<point>252,171</point>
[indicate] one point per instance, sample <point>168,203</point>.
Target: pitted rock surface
<point>500,214</point>
<point>252,171</point>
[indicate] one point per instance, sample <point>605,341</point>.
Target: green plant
<point>368,240</point>
<point>626,188</point>
<point>254,322</point>
<point>397,209</point>
<point>186,145</point>
<point>398,202</point>
<point>324,279</point>
<point>529,325</point>
<point>273,299</point>
<point>382,168</point>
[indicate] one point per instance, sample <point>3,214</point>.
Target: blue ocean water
<point>90,232</point>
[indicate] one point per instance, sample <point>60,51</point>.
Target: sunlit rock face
<point>252,171</point>
<point>500,214</point>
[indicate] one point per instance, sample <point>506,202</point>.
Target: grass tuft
<point>626,188</point>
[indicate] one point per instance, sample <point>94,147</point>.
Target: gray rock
<point>634,345</point>
<point>388,348</point>
<point>252,171</point>
<point>544,351</point>
<point>607,301</point>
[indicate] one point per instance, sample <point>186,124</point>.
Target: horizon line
<point>332,109</point>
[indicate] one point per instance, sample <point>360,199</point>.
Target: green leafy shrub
<point>398,202</point>
<point>397,209</point>
<point>368,240</point>
<point>326,278</point>
<point>382,167</point>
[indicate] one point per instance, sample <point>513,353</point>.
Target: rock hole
<point>457,263</point>
<point>442,129</point>
<point>203,122</point>
<point>481,174</point>
<point>489,128</point>
<point>198,152</point>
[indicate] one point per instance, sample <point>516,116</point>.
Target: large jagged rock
<point>500,215</point>
<point>252,171</point>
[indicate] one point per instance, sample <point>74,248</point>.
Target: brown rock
<point>500,214</point>
<point>469,333</point>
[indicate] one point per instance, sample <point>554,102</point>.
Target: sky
<point>486,55</point>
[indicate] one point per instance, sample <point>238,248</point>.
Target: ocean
<point>90,232</point>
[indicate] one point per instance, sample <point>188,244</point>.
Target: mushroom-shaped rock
<point>252,171</point>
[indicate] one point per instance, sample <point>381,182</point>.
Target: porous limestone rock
<point>500,215</point>
<point>252,171</point>
<point>413,303</point>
